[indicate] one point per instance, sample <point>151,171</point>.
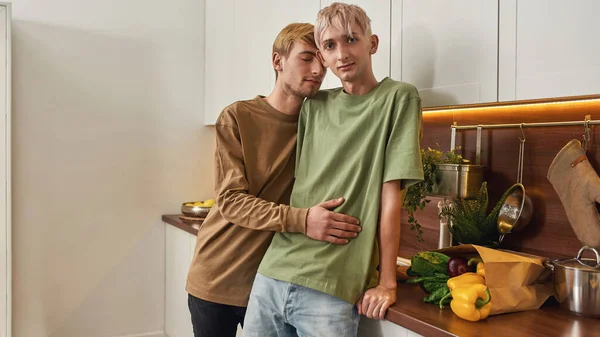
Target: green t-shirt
<point>348,146</point>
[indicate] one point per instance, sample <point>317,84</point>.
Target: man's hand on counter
<point>374,302</point>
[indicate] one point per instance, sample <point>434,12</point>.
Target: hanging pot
<point>457,181</point>
<point>517,210</point>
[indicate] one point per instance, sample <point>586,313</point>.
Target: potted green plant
<point>471,222</point>
<point>416,195</point>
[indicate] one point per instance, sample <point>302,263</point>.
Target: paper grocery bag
<point>517,281</point>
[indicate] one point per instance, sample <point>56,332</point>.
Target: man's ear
<point>277,62</point>
<point>321,58</point>
<point>374,44</point>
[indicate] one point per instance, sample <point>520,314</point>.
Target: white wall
<point>107,136</point>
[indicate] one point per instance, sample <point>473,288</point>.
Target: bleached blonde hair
<point>341,16</point>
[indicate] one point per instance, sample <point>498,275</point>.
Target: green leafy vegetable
<point>431,286</point>
<point>429,263</point>
<point>435,278</point>
<point>438,296</point>
<point>429,269</point>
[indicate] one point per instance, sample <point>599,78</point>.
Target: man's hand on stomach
<point>325,225</point>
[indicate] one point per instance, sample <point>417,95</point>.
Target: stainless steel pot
<point>577,283</point>
<point>458,181</point>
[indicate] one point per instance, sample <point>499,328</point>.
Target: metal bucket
<point>458,181</point>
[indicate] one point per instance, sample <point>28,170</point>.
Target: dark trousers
<point>213,319</point>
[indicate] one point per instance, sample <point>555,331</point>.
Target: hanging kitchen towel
<point>517,281</point>
<point>578,187</point>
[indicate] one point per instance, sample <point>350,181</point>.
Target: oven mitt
<point>578,187</point>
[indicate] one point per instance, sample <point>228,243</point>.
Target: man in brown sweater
<point>255,159</point>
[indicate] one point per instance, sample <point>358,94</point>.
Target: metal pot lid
<point>579,263</point>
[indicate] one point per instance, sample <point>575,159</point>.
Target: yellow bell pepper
<point>471,302</point>
<point>480,269</point>
<point>465,279</point>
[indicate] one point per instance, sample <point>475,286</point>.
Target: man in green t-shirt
<point>361,141</point>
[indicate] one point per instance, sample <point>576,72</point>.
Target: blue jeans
<point>282,309</point>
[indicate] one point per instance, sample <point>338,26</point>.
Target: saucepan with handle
<point>517,210</point>
<point>577,283</point>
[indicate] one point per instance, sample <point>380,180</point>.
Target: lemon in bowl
<point>197,209</point>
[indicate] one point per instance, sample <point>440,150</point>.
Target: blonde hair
<point>294,32</point>
<point>341,16</point>
<point>304,32</point>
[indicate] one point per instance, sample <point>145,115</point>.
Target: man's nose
<point>342,53</point>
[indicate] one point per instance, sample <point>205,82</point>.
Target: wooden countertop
<point>428,320</point>
<point>188,226</point>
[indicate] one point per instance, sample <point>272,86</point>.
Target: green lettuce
<point>428,264</point>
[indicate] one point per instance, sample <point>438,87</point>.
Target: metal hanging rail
<point>525,125</point>
<point>586,122</point>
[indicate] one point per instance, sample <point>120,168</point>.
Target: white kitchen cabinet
<point>375,328</point>
<point>454,52</point>
<point>379,13</point>
<point>548,48</point>
<point>179,248</point>
<point>447,49</point>
<point>239,41</point>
